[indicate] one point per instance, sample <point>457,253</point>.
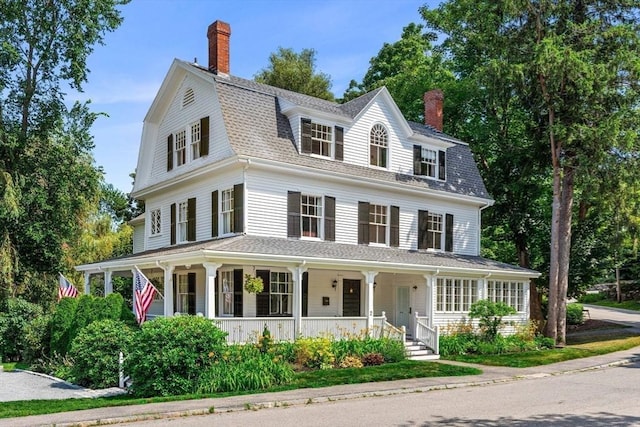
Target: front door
<point>402,307</point>
<point>350,298</point>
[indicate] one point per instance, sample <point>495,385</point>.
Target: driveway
<point>615,315</point>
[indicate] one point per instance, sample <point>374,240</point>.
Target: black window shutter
<point>442,171</point>
<point>191,282</point>
<point>339,153</point>
<point>329,218</point>
<point>238,208</point>
<point>363,223</point>
<point>394,231</point>
<point>305,294</point>
<point>417,160</point>
<point>175,293</point>
<point>293,214</point>
<point>214,214</point>
<point>204,136</point>
<point>448,233</point>
<point>262,298</point>
<point>423,223</point>
<point>305,146</point>
<point>173,223</point>
<point>217,295</point>
<point>169,152</point>
<point>238,282</point>
<point>191,219</point>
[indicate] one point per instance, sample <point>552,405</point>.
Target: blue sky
<point>127,71</point>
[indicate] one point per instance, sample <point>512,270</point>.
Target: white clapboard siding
<point>177,118</point>
<point>267,209</point>
<point>138,238</point>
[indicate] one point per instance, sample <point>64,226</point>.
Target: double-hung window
<point>378,221</point>
<point>429,162</point>
<point>321,139</point>
<point>182,221</point>
<point>434,231</point>
<point>227,211</point>
<point>227,293</point>
<point>378,148</point>
<point>280,293</point>
<point>195,140</point>
<point>156,222</point>
<point>510,293</point>
<point>181,147</point>
<point>311,216</point>
<point>455,295</point>
<point>186,293</point>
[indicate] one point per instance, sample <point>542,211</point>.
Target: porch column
<point>87,283</point>
<point>430,282</point>
<point>483,287</point>
<point>168,289</point>
<point>297,298</point>
<point>108,286</point>
<point>210,289</point>
<point>370,278</point>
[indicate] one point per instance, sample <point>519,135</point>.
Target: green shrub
<point>591,298</point>
<point>543,342</point>
<point>95,352</point>
<point>574,314</point>
<point>314,353</point>
<point>37,339</point>
<point>73,314</point>
<point>169,354</point>
<point>457,344</point>
<point>372,359</point>
<point>13,324</point>
<point>285,350</point>
<point>392,350</point>
<point>490,315</point>
<point>257,371</point>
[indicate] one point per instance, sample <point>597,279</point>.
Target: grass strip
<point>628,305</point>
<point>587,347</point>
<point>312,379</point>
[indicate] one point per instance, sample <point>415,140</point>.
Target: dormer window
<point>189,143</point>
<point>321,139</point>
<point>379,145</point>
<point>429,162</point>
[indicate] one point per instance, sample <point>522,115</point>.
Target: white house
<point>353,217</point>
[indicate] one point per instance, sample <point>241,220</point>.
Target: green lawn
<point>629,305</point>
<point>586,346</point>
<point>311,379</point>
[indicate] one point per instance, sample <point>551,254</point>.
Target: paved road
<point>606,397</point>
<point>625,317</point>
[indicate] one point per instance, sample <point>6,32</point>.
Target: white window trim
<point>179,278</point>
<point>151,233</point>
<point>291,286</point>
<point>388,148</point>
<point>222,212</point>
<point>514,290</point>
<point>332,144</point>
<point>443,230</point>
<point>387,225</point>
<point>441,301</point>
<point>185,222</point>
<point>222,294</point>
<point>189,147</point>
<point>437,164</point>
<point>320,235</point>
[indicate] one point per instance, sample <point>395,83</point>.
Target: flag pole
<point>149,281</point>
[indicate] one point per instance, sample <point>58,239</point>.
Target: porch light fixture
<point>375,284</point>
<point>334,284</point>
<point>415,287</point>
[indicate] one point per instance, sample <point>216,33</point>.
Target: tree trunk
<point>564,251</point>
<point>551,329</point>
<point>618,287</point>
<point>535,306</point>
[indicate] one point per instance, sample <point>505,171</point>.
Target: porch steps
<point>417,351</point>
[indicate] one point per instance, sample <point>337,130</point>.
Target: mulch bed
<point>593,324</point>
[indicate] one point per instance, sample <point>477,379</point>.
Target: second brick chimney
<point>433,101</point>
<point>218,34</point>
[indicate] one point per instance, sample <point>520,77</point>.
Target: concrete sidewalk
<point>490,375</point>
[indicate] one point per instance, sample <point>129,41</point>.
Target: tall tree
<point>408,68</point>
<point>48,180</point>
<point>297,72</point>
<point>573,67</point>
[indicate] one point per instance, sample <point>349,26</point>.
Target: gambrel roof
<point>257,128</point>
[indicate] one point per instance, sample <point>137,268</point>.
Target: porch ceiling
<point>314,254</point>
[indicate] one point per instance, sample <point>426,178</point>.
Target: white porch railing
<point>391,331</point>
<point>247,329</point>
<point>426,335</point>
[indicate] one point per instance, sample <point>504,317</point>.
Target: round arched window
<point>379,142</point>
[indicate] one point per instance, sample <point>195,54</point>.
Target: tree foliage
<point>48,181</point>
<point>572,68</point>
<point>297,72</point>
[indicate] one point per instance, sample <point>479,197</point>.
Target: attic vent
<point>189,97</point>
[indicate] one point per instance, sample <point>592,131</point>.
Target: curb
<point>332,398</point>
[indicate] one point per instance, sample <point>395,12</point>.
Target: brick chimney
<point>433,101</point>
<point>218,35</point>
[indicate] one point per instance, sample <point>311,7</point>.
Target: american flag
<point>66,288</point>
<point>144,293</point>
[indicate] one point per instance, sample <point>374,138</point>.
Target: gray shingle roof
<point>257,128</point>
<point>316,250</point>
